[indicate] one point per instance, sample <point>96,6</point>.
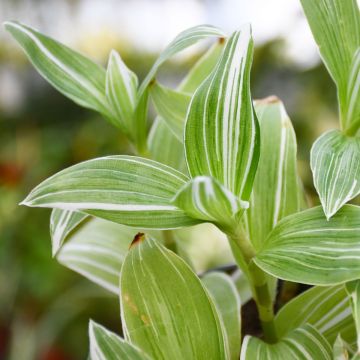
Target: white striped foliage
<point>62,223</point>
<point>121,93</point>
<point>221,133</point>
<point>71,73</point>
<point>125,189</point>
<point>106,345</point>
<point>172,106</point>
<point>336,28</point>
<point>303,343</point>
<point>335,163</point>
<point>206,199</point>
<point>326,308</point>
<point>182,41</point>
<point>275,191</point>
<point>306,247</point>
<point>227,301</point>
<point>165,309</point>
<point>353,289</point>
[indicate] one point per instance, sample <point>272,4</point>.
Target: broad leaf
<point>335,163</point>
<point>71,73</point>
<point>353,288</point>
<point>124,189</point>
<point>304,343</point>
<point>105,345</point>
<point>326,308</point>
<point>221,134</point>
<point>307,248</point>
<point>227,301</point>
<point>182,41</point>
<point>165,308</point>
<point>206,199</point>
<point>62,223</point>
<point>172,106</point>
<point>336,27</point>
<point>275,191</point>
<point>121,92</point>
<point>164,147</point>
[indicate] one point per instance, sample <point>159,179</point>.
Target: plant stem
<point>244,253</point>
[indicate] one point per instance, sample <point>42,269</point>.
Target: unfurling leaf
<point>335,163</point>
<point>303,343</point>
<point>307,248</point>
<point>221,134</point>
<point>165,309</point>
<point>206,199</point>
<point>124,189</point>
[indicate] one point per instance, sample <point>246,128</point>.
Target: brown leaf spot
<point>145,319</point>
<point>268,100</point>
<point>139,237</point>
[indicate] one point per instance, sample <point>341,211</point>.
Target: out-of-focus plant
<point>212,155</point>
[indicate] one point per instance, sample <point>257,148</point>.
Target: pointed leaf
<point>106,345</point>
<point>340,349</point>
<point>121,92</point>
<point>335,163</point>
<point>125,189</point>
<point>165,308</point>
<point>304,343</point>
<point>353,289</point>
<point>206,199</point>
<point>221,134</point>
<point>172,106</point>
<point>326,308</point>
<point>71,73</point>
<point>336,28</point>
<point>227,301</point>
<point>62,223</point>
<point>182,41</point>
<point>307,248</point>
<point>275,191</point>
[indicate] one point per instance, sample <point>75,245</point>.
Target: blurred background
<point>44,307</point>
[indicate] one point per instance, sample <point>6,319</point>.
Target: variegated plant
<point>212,155</point>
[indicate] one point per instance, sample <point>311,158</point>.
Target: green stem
<point>244,252</point>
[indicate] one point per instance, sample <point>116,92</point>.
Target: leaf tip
<point>138,238</point>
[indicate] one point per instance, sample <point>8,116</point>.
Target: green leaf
<point>221,134</point>
<point>275,191</point>
<point>336,28</point>
<point>106,345</point>
<point>307,248</point>
<point>227,301</point>
<point>172,106</point>
<point>62,223</point>
<point>353,289</point>
<point>206,199</point>
<point>71,73</point>
<point>97,251</point>
<point>335,160</point>
<point>182,41</point>
<point>242,285</point>
<point>165,308</point>
<point>121,93</point>
<point>304,343</point>
<point>340,349</point>
<point>326,308</point>
<point>202,68</point>
<point>164,147</point>
<point>125,189</point>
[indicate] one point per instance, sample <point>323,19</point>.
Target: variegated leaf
<point>182,41</point>
<point>221,134</point>
<point>71,73</point>
<point>307,248</point>
<point>206,199</point>
<point>165,308</point>
<point>326,308</point>
<point>62,223</point>
<point>353,289</point>
<point>227,301</point>
<point>124,189</point>
<point>335,163</point>
<point>106,345</point>
<point>303,343</point>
